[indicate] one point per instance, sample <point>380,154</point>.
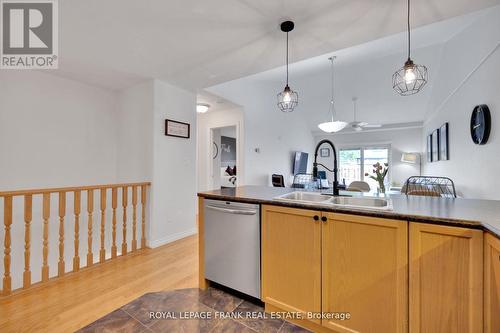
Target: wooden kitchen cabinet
<point>446,279</point>
<point>491,284</point>
<point>365,273</point>
<point>291,259</point>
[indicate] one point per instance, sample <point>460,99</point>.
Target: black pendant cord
<point>409,36</point>
<point>287,59</point>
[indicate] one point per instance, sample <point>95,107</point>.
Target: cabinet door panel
<point>291,259</point>
<point>365,273</point>
<point>446,279</point>
<point>491,284</point>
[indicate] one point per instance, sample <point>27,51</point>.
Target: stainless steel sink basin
<point>367,202</point>
<point>342,201</point>
<point>305,197</point>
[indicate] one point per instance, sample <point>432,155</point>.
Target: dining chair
<point>359,186</point>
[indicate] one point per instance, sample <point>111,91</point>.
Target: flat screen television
<point>300,162</point>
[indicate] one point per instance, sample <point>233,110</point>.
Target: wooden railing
<point>61,194</point>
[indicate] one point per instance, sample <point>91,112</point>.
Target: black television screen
<point>300,162</point>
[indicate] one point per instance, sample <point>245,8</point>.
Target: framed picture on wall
<point>324,152</point>
<point>177,129</point>
<point>443,143</point>
<point>429,148</point>
<point>435,145</point>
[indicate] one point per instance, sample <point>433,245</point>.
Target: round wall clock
<point>480,124</point>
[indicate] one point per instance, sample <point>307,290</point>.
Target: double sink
<point>312,198</point>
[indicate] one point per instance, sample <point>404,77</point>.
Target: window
<point>355,162</point>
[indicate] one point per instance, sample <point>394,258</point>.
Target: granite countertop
<point>471,213</point>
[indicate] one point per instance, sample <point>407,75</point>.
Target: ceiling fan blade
<point>362,124</point>
<point>372,126</point>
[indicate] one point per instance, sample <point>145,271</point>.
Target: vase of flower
<point>379,174</point>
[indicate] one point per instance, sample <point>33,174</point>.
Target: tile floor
<point>169,306</point>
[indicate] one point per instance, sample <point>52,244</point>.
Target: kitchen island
<point>417,267</point>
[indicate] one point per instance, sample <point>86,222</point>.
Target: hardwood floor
<point>78,299</point>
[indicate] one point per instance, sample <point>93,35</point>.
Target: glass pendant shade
<point>332,126</point>
<point>409,79</point>
<point>287,100</point>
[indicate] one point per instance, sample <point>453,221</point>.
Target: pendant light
<point>287,99</point>
<point>332,126</point>
<point>411,78</point>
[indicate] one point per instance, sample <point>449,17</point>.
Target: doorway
<point>224,157</point>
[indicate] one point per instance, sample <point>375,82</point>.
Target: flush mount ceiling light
<point>202,107</point>
<point>287,99</point>
<point>332,126</point>
<point>411,78</point>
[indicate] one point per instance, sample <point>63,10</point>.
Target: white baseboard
<point>172,238</point>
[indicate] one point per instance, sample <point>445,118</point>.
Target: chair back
<point>430,186</point>
<point>278,180</point>
<point>359,186</point>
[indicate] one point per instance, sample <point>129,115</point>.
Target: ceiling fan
<point>360,125</point>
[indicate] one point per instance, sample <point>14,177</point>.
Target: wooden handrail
<point>69,189</point>
<point>61,194</point>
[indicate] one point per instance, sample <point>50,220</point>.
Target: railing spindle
<point>62,212</point>
<point>46,216</point>
<point>28,215</point>
<point>77,209</point>
<point>134,218</point>
<point>90,210</point>
<point>7,221</point>
<point>143,213</point>
<point>124,205</point>
<point>62,193</point>
<point>102,251</point>
<point>113,232</point>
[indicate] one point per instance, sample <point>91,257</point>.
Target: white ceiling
<point>365,72</point>
<point>196,44</point>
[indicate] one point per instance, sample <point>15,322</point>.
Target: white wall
<point>274,134</point>
<point>218,119</point>
<point>464,82</point>
<point>54,132</point>
<point>400,140</point>
<point>57,132</point>
<point>173,194</point>
<point>37,110</point>
<point>135,137</point>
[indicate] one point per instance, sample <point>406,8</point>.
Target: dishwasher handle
<point>232,211</point>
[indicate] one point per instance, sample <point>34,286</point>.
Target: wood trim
<point>45,251</point>
<point>491,284</point>
<point>69,189</point>
<point>77,198</point>
<point>102,250</point>
<point>7,221</point>
<point>90,224</point>
<point>474,309</point>
<point>61,265</point>
<point>124,216</point>
<point>61,194</point>
<point>28,215</point>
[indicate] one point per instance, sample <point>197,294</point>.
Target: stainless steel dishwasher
<point>232,245</point>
